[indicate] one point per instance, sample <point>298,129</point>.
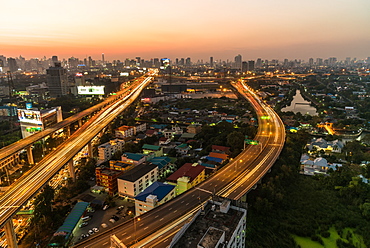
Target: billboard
<point>90,90</point>
<point>29,116</point>
<point>28,105</point>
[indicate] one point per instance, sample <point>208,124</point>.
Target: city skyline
<point>269,29</point>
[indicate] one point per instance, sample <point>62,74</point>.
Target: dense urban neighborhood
<point>187,125</point>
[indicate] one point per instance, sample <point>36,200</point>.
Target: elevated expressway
<point>30,183</point>
<point>156,227</point>
<point>26,143</point>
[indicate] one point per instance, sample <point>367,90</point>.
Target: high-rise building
<point>319,61</point>
<point>211,61</point>
<point>102,58</point>
<point>310,62</point>
<point>251,65</point>
<point>12,63</point>
<point>244,66</point>
<point>259,63</point>
<point>238,62</point>
<point>188,61</point>
<point>57,80</point>
<point>54,58</point>
<point>138,60</point>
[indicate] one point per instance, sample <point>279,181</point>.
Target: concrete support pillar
<point>79,122</point>
<point>68,131</point>
<point>10,234</point>
<point>30,155</point>
<point>71,170</point>
<point>89,149</point>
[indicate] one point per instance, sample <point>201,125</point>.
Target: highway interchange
<point>156,227</point>
<point>30,183</point>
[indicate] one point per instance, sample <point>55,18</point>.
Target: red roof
<point>163,139</point>
<point>187,170</point>
<point>150,131</point>
<point>218,155</point>
<point>220,148</point>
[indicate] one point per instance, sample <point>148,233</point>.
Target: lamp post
<point>135,220</point>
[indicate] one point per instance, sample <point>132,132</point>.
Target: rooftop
<point>188,170</point>
<point>220,222</point>
<point>157,188</point>
<point>137,172</point>
<point>151,147</point>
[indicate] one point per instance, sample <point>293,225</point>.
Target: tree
<point>235,140</point>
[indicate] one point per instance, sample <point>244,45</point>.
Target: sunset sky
<point>121,29</point>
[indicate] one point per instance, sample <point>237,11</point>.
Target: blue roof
<point>72,219</point>
<point>158,126</point>
<point>208,165</point>
<point>134,156</point>
<point>157,188</point>
<point>151,147</point>
<point>218,160</point>
<point>160,161</point>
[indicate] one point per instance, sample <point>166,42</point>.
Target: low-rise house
<point>124,132</point>
<point>157,150</point>
<point>187,176</point>
<point>163,163</point>
<point>327,146</point>
<point>182,149</point>
<point>133,158</point>
<point>106,150</point>
<point>221,149</point>
<point>153,196</point>
<point>194,128</point>
<point>107,178</point>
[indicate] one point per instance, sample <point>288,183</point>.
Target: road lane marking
<point>156,217</point>
<point>105,243</point>
<point>160,219</point>
<point>175,211</point>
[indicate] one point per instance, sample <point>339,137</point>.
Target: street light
<point>135,220</point>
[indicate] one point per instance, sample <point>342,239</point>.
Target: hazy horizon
<point>179,29</point>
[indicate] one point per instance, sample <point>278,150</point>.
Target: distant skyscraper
<point>2,61</point>
<point>57,80</point>
<point>12,63</point>
<point>332,61</point>
<point>188,61</point>
<point>251,65</point>
<point>182,61</point>
<point>238,62</point>
<point>211,61</point>
<point>259,63</point>
<point>54,59</point>
<point>310,62</point>
<point>138,60</point>
<point>244,66</point>
<point>319,61</point>
<point>102,58</point>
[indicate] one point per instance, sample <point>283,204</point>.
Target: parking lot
<point>100,217</point>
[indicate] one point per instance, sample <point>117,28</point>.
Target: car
<point>105,207</point>
<point>115,217</point>
<point>95,229</point>
<point>112,220</point>
<point>83,224</point>
<point>104,225</point>
<point>91,210</point>
<point>120,208</point>
<point>91,232</point>
<point>119,212</point>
